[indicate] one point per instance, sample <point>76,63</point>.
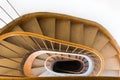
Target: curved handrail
<point>26,17</point>
<point>2,37</point>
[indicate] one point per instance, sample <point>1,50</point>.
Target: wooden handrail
<point>26,17</point>
<point>2,37</point>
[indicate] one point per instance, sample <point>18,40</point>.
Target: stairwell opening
<point>68,66</point>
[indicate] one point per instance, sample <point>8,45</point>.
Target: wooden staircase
<point>15,50</point>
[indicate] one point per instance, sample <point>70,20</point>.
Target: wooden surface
<point>48,26</point>
<point>60,26</point>
<point>24,18</point>
<point>63,78</point>
<point>57,41</point>
<point>31,25</point>
<point>63,30</point>
<point>77,33</point>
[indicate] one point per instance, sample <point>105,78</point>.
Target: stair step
<point>48,26</point>
<point>10,63</point>
<point>5,70</point>
<point>108,51</point>
<point>38,71</point>
<point>89,35</point>
<point>43,56</point>
<point>7,52</point>
<point>39,63</point>
<point>18,59</point>
<point>24,41</point>
<point>63,30</point>
<point>13,73</point>
<point>112,63</point>
<point>100,41</point>
<point>17,28</point>
<point>31,25</point>
<point>18,50</point>
<point>114,73</point>
<point>76,34</point>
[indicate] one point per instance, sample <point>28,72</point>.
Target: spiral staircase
<point>45,44</point>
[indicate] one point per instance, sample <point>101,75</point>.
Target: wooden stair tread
<point>76,34</point>
<point>43,56</point>
<point>108,51</point>
<point>38,63</point>
<point>13,73</point>
<point>10,63</point>
<point>17,28</point>
<point>89,35</point>
<point>100,41</point>
<point>18,59</point>
<point>63,30</point>
<point>112,63</point>
<point>38,71</point>
<point>4,70</point>
<point>19,50</point>
<point>48,26</point>
<point>24,41</point>
<point>7,52</point>
<point>31,25</point>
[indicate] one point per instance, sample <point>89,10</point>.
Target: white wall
<point>105,12</point>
